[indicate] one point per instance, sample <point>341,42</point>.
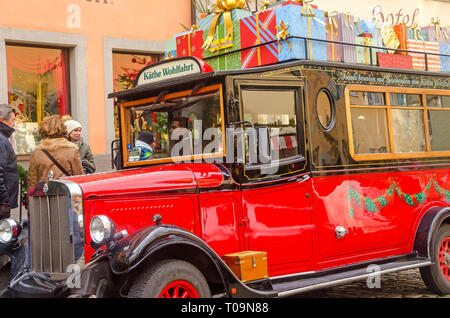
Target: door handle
<point>303,178</point>
<point>340,231</point>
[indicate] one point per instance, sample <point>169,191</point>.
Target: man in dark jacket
<point>9,183</point>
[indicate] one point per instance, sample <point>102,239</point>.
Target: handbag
<point>56,163</point>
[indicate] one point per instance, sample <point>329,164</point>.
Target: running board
<point>298,286</point>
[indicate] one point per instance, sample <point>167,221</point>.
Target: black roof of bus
<point>191,80</point>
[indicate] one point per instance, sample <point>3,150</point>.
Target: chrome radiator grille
<point>50,236</point>
<point>56,226</point>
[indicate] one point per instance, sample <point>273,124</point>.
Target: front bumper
<point>93,280</point>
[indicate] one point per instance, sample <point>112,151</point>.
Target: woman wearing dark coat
<point>9,183</point>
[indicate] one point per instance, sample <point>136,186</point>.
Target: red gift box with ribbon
<point>258,29</point>
<point>190,44</point>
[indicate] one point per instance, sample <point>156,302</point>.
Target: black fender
<point>428,225</point>
<point>130,252</point>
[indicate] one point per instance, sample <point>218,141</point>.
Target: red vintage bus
<point>349,168</point>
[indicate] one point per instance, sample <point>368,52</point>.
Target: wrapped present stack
<point>235,38</point>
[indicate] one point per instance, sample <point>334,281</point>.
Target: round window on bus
<point>325,109</point>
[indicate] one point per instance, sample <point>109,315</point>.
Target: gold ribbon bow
<point>415,28</point>
<point>444,30</point>
<point>223,7</point>
<point>356,21</point>
<point>264,7</point>
<point>169,55</point>
<point>437,27</point>
<point>194,28</point>
<point>282,35</point>
<point>332,23</point>
<point>347,21</point>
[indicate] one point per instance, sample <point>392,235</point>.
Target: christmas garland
<point>383,200</point>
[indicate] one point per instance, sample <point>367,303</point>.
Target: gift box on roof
<point>418,59</point>
<point>333,33</point>
<point>221,34</point>
<point>222,44</point>
<point>170,50</point>
<point>394,60</point>
<point>437,33</point>
<point>345,22</point>
<point>258,29</point>
<point>390,38</point>
<point>363,54</point>
<point>400,31</point>
<point>444,48</point>
<point>302,21</point>
<point>415,33</point>
<point>190,43</point>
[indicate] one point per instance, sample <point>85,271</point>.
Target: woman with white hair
<point>74,135</point>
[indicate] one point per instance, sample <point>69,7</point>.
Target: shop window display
<point>37,87</point>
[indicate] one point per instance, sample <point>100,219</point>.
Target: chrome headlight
<point>9,230</point>
<point>102,229</point>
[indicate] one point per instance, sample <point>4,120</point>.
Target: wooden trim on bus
<point>387,90</point>
<point>208,89</point>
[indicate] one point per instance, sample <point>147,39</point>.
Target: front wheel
<point>437,276</point>
<point>170,279</point>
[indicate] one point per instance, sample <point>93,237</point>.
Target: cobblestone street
<point>406,284</point>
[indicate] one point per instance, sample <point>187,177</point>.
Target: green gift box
<point>363,53</point>
<point>220,45</point>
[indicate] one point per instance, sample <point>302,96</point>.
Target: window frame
<point>387,91</point>
<point>299,114</point>
<point>125,137</point>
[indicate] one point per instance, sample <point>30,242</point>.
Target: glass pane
<point>370,131</point>
<point>174,128</point>
<point>405,99</point>
<point>324,110</point>
<point>408,129</point>
<point>434,101</point>
<point>438,101</point>
<point>276,110</point>
<point>446,101</point>
<point>439,129</point>
<point>367,98</point>
<point>37,86</point>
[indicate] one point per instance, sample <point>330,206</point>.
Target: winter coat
<point>87,158</point>
<point>9,182</point>
<point>64,152</point>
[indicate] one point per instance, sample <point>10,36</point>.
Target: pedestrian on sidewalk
<point>55,156</point>
<point>74,135</point>
<point>9,182</point>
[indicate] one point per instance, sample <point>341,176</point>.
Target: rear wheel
<point>170,279</point>
<point>437,276</point>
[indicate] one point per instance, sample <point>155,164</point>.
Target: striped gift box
<point>418,59</point>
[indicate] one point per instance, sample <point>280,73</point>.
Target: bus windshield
<point>178,126</point>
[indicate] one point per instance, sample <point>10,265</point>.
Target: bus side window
<point>276,110</point>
